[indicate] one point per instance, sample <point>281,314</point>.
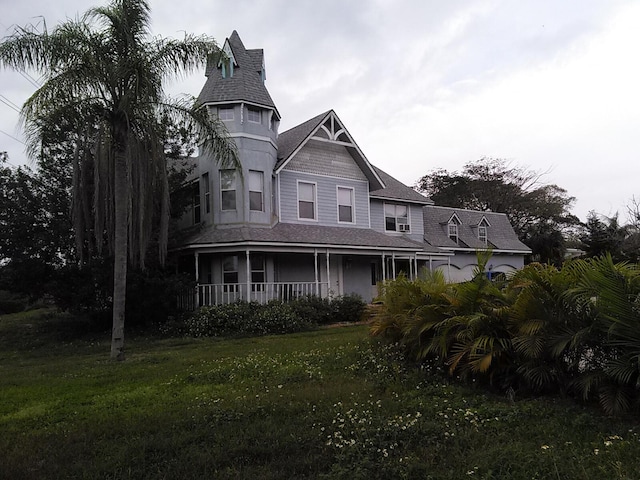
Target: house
<point>307,213</point>
<point>465,232</point>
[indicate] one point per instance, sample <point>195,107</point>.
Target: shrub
<point>245,318</point>
<point>347,308</point>
<point>12,302</point>
<point>313,309</point>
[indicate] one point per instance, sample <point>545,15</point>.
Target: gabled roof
<point>293,234</point>
<point>396,190</point>
<point>291,141</point>
<point>500,233</point>
<point>245,85</point>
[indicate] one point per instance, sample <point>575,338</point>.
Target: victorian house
<point>307,214</point>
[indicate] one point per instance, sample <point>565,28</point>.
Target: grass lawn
<point>324,404</point>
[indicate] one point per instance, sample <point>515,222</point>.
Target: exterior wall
<point>324,158</point>
<point>257,151</point>
<point>295,267</point>
<point>357,277</point>
<point>463,265</point>
<point>326,199</point>
<point>416,219</point>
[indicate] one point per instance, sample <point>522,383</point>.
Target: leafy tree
<point>105,74</point>
<point>536,211</point>
<point>35,229</point>
<point>604,235</point>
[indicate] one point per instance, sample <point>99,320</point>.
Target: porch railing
<point>218,294</point>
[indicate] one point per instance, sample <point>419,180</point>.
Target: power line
<point>9,103</point>
<point>11,136</point>
<point>12,104</point>
<point>30,79</point>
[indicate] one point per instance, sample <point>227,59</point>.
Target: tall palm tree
<point>104,72</point>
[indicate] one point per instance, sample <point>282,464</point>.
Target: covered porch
<point>265,273</point>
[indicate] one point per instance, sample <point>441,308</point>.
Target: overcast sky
<point>550,85</point>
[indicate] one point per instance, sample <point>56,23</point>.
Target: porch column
<point>197,262</point>
<point>384,269</point>
<point>248,276</point>
<point>449,268</point>
<point>315,269</point>
<point>393,264</point>
<point>431,264</point>
<point>328,274</point>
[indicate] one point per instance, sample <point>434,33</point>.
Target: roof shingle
<point>500,233</point>
<point>246,84</point>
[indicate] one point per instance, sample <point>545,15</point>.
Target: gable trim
<point>352,144</point>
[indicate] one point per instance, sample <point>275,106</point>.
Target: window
<point>345,204</point>
<point>453,231</point>
<point>195,203</point>
<point>307,200</point>
<point>482,234</point>
<point>207,192</point>
<point>227,68</point>
<point>225,113</point>
<point>230,273</point>
<point>256,196</point>
<point>396,218</point>
<point>228,189</point>
<point>253,115</point>
<point>257,272</point>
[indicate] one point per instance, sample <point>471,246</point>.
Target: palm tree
<point>105,73</point>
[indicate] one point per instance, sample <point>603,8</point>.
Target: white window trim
<point>226,109</point>
<point>457,231</point>
<point>251,110</point>
<point>315,201</point>
<point>207,192</point>
<point>261,190</point>
<point>353,203</point>
<point>229,190</point>
<point>384,216</point>
<point>483,238</point>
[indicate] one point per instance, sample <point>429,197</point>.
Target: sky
<point>549,85</point>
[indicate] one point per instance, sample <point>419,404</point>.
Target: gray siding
<point>464,263</point>
<point>326,199</point>
<point>416,219</point>
<point>324,158</point>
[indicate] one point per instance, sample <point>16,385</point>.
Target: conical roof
<point>246,84</point>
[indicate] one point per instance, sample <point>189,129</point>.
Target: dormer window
<point>453,232</point>
<point>452,228</point>
<point>483,231</point>
<point>227,61</point>
<point>482,234</point>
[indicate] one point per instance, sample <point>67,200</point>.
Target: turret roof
<point>245,85</point>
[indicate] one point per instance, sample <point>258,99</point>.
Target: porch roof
<point>290,234</point>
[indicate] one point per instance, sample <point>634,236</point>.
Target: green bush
<point>347,308</point>
<point>245,319</point>
<point>313,309</point>
<point>12,302</point>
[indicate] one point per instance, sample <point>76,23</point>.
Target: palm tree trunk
<point>121,213</point>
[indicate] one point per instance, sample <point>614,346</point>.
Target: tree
<point>537,212</point>
<point>35,229</point>
<point>105,74</point>
<point>604,235</point>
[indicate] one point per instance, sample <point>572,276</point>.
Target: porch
<point>221,294</point>
<point>227,275</point>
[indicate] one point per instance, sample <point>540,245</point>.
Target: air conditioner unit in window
<point>403,227</point>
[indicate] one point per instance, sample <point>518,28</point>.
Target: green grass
<point>322,404</point>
